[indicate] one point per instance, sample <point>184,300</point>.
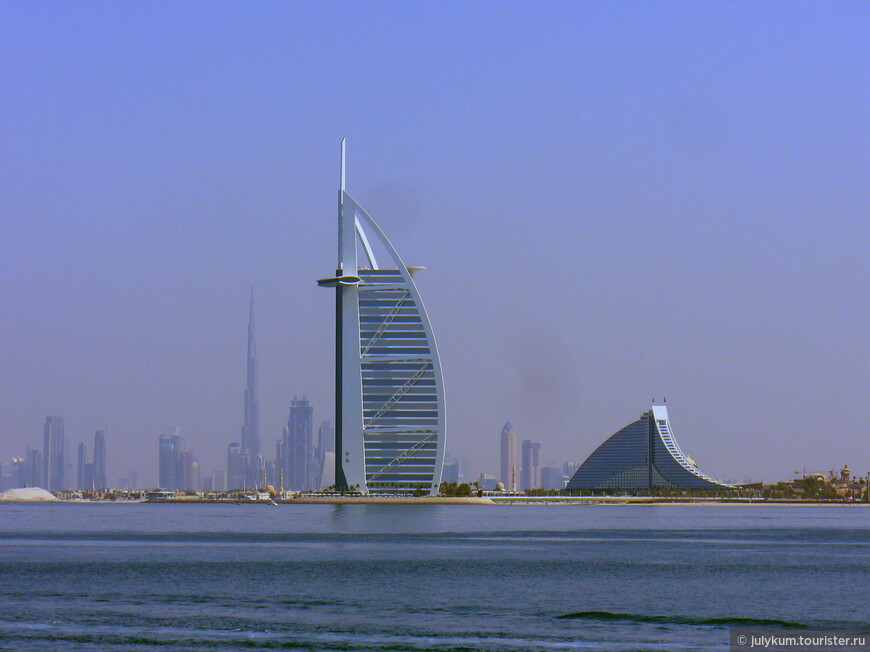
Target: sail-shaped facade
<point>642,455</point>
<point>390,418</point>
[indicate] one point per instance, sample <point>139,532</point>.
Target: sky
<point>615,202</point>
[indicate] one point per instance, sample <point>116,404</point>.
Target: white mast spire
<point>342,188</point>
<point>341,192</point>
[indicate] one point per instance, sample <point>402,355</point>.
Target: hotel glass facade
<point>390,419</point>
<point>643,455</point>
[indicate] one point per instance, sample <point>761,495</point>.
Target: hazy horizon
<point>614,202</point>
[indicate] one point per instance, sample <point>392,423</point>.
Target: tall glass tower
<point>54,454</point>
<point>390,420</point>
<point>100,481</point>
<point>509,457</point>
<point>251,426</point>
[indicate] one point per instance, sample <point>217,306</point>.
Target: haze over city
<point>612,207</point>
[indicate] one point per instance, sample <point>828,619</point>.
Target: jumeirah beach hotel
<point>642,455</point>
<point>389,391</point>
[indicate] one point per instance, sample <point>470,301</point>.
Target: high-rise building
<point>187,471</point>
<point>253,466</point>
<point>451,470</point>
<point>100,481</point>
<point>570,468</point>
<point>552,478</point>
<point>54,455</point>
<point>325,439</point>
<point>235,467</point>
<point>88,477</point>
<point>298,462</point>
<point>166,463</point>
<point>509,457</point>
<point>34,472</point>
<point>390,422</point>
<point>12,473</point>
<point>178,468</point>
<point>642,455</point>
<point>531,473</point>
<point>325,447</point>
<point>129,482</point>
<point>81,460</point>
<point>327,473</point>
<point>218,480</point>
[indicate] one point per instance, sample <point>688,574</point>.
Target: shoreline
<point>444,500</point>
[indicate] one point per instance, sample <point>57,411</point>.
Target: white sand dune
<point>27,494</point>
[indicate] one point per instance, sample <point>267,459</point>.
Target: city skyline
<point>678,191</point>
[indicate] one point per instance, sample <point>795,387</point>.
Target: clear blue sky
<point>615,202</point>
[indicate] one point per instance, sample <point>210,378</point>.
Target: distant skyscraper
<point>325,438</point>
<point>531,473</point>
<point>166,463</point>
<point>178,467</point>
<point>509,457</point>
<point>325,447</point>
<point>34,472</point>
<point>235,467</point>
<point>299,448</point>
<point>81,460</point>
<point>99,480</point>
<point>88,476</point>
<point>552,478</point>
<point>451,470</point>
<point>188,471</point>
<point>53,455</point>
<point>218,480</point>
<point>12,473</point>
<point>569,468</point>
<point>327,471</point>
<point>251,428</point>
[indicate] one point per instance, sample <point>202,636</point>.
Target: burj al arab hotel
<point>389,393</point>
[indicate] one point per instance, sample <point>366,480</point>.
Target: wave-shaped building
<point>642,455</point>
<point>389,392</point>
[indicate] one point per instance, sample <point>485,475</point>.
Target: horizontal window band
<point>398,319</point>
<point>378,272</point>
<point>386,382</point>
<point>404,421</point>
<point>402,478</point>
<point>398,437</point>
<point>393,367</point>
<point>392,413</point>
<point>418,406</point>
<point>386,305</point>
<point>386,309</point>
<point>407,402</point>
<point>391,447</point>
<point>378,462</point>
<point>394,331</point>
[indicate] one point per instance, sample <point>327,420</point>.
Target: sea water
<point>105,576</point>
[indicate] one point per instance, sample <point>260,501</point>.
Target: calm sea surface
<point>364,577</point>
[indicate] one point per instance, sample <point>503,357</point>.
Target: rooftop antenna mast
<point>341,191</point>
<point>343,150</point>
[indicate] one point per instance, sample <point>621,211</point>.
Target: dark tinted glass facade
<point>642,455</point>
